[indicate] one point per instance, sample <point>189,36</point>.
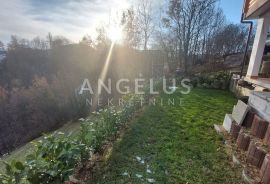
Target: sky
<point>232,9</point>
<point>72,18</point>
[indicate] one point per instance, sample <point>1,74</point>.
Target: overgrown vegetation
<point>56,156</point>
<point>215,80</point>
<point>174,143</point>
<point>39,89</point>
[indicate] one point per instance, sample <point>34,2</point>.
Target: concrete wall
<point>260,103</point>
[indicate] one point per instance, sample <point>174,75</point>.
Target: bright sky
<point>232,9</point>
<point>70,18</point>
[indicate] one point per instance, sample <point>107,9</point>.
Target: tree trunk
<point>145,41</point>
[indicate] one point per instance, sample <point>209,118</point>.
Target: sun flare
<point>115,30</point>
<point>115,33</point>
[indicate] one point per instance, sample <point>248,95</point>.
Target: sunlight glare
<point>115,33</point>
<point>104,72</point>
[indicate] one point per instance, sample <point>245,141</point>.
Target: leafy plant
<point>54,159</point>
<point>14,173</point>
<point>56,156</point>
<point>215,80</point>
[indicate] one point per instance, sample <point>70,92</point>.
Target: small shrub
<point>54,159</point>
<point>216,80</point>
<point>56,156</point>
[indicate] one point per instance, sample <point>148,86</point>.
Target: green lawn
<point>176,144</point>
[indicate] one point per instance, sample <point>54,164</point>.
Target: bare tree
<point>57,41</point>
<point>145,21</point>
<point>50,40</point>
<point>87,40</point>
<point>102,40</point>
<point>14,43</point>
<point>60,41</point>
<point>130,28</point>
<point>186,18</point>
<point>218,22</point>
<point>230,39</point>
<point>38,43</point>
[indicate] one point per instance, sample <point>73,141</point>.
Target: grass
<point>21,153</point>
<point>178,144</point>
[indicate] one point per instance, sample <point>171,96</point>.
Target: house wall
<point>258,47</point>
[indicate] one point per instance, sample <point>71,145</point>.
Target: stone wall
<point>239,91</point>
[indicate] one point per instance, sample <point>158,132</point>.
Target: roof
<point>254,9</point>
